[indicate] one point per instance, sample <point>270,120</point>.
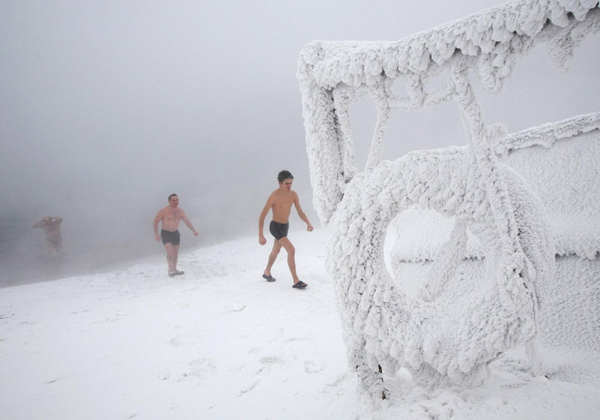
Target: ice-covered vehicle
<point>505,231</point>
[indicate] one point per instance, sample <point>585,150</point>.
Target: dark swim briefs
<point>279,230</point>
<point>170,237</point>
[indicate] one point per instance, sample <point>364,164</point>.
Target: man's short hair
<point>283,175</point>
<point>172,195</point>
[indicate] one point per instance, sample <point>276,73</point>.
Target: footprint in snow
<point>248,388</point>
<point>199,370</point>
<point>195,372</point>
<point>237,307</point>
<point>271,360</point>
<point>313,367</point>
<point>268,363</point>
<point>291,339</point>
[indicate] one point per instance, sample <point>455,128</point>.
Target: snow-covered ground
<point>221,343</point>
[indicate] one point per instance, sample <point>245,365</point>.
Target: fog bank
<point>107,108</point>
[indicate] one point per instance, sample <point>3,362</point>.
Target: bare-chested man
<point>280,202</point>
<point>170,217</point>
<point>51,226</point>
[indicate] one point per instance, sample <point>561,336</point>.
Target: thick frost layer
<point>565,174</point>
<point>441,335</point>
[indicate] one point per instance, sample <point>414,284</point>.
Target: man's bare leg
<point>291,251</point>
<point>272,257</point>
<point>53,248</point>
<point>169,247</point>
<point>175,256</point>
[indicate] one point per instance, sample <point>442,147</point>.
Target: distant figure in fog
<point>51,226</point>
<point>281,201</point>
<point>170,217</point>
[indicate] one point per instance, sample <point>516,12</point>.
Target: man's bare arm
<point>309,227</point>
<point>157,219</point>
<point>261,219</point>
<point>188,223</point>
<point>38,224</point>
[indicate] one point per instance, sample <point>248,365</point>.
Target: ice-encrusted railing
<point>383,328</point>
<point>546,135</point>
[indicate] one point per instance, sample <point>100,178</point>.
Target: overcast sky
<point>107,107</point>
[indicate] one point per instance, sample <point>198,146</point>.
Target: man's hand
<point>262,240</point>
<point>157,236</point>
<point>309,227</point>
<point>195,233</point>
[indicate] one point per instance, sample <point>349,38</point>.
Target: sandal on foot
<point>177,272</point>
<point>299,285</point>
<point>172,273</point>
<point>268,277</point>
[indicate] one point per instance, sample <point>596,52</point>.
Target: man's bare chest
<point>51,228</point>
<point>172,215</point>
<point>284,203</point>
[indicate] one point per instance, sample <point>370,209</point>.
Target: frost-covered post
<point>439,340</point>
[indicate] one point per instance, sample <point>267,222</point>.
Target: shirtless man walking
<point>51,226</point>
<point>170,217</point>
<point>280,202</point>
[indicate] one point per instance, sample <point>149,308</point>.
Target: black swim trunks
<point>279,230</point>
<point>170,237</point>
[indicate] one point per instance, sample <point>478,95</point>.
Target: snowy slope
<point>222,343</point>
